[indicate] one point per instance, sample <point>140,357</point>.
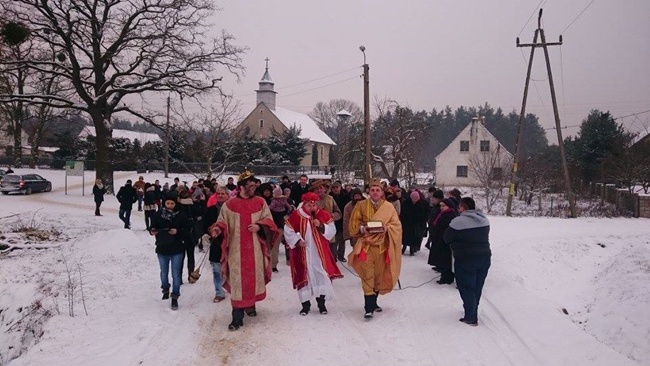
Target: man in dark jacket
<point>341,198</point>
<point>468,237</point>
<point>169,226</point>
<point>299,188</point>
<point>127,196</point>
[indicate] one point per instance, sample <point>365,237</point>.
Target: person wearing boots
<point>308,231</point>
<point>149,204</point>
<point>468,236</point>
<point>169,226</point>
<point>440,254</point>
<point>376,256</point>
<point>99,190</point>
<point>247,227</point>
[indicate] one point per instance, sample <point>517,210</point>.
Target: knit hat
<point>449,203</point>
<point>415,195</point>
<point>438,194</point>
<point>128,181</point>
<point>277,192</point>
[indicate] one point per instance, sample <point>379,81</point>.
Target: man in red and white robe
<point>308,232</point>
<point>246,224</point>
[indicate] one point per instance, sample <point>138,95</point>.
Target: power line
<point>320,87</point>
<point>305,82</point>
<point>632,115</point>
<point>576,18</point>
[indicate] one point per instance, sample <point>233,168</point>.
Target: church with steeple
<point>267,117</point>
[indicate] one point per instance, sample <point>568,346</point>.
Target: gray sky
<point>428,54</point>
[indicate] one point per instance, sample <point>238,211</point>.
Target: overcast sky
<point>430,53</point>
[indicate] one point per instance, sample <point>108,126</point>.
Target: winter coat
<point>162,222</point>
<point>341,200</point>
<point>150,199</point>
<point>280,208</point>
<point>468,234</point>
<point>440,254</point>
<point>127,197</point>
<point>215,243</point>
<point>99,193</point>
<point>413,217</point>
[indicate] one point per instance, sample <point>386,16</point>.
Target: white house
<point>459,163</point>
<point>143,137</point>
<point>266,117</point>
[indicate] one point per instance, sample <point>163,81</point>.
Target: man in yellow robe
<point>376,256</point>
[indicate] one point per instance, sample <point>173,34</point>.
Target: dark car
<point>25,184</point>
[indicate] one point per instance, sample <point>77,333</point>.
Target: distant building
<point>267,117</point>
<point>143,137</point>
<point>453,166</point>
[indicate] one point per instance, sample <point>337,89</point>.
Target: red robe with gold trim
<point>297,256</point>
<point>245,260</point>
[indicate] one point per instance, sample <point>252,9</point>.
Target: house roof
<point>143,137</point>
<point>480,126</point>
<point>308,128</point>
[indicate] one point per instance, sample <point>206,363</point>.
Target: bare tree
<point>110,50</point>
<point>400,133</point>
<point>211,128</point>
<point>17,46</point>
<point>346,131</point>
<point>491,170</point>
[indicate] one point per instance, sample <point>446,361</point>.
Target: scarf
<point>166,214</point>
<point>447,209</point>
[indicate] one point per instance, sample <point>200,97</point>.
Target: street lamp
<point>366,116</point>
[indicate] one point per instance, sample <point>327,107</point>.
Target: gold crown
<point>245,175</point>
<point>375,182</point>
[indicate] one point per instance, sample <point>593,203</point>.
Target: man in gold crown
<point>376,256</point>
<point>246,224</point>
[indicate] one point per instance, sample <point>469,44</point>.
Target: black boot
<point>165,294</point>
<point>174,303</point>
<point>237,319</point>
<point>377,308</point>
<point>251,311</point>
<point>446,277</point>
<point>369,306</point>
<point>305,308</point>
<point>321,304</point>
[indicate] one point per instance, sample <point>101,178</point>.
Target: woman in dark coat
<point>440,254</point>
<point>413,216</point>
<point>149,204</point>
<point>99,190</point>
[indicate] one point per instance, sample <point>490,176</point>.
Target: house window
<point>485,145</point>
<point>261,123</point>
<point>464,145</point>
<point>461,171</point>
<point>497,173</point>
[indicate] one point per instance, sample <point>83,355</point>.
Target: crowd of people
<point>246,223</point>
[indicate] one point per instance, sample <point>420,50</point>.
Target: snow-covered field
<point>560,292</point>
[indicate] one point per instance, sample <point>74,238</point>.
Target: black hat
<point>128,181</point>
<point>438,194</point>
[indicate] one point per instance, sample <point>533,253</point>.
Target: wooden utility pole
<point>366,118</point>
<point>167,142</point>
<point>567,179</point>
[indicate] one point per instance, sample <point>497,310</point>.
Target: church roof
<point>266,78</point>
<point>308,128</point>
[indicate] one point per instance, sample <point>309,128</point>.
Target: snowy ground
<point>559,292</point>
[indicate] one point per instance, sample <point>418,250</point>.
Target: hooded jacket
<point>468,234</point>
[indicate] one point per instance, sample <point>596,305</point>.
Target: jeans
<point>217,279</point>
<point>470,277</point>
<point>125,216</point>
<point>140,199</point>
<point>177,266</point>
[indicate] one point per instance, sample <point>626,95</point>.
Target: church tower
<point>265,93</point>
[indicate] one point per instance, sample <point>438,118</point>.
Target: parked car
<point>25,184</point>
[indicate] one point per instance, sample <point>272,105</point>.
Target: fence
<point>631,203</point>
